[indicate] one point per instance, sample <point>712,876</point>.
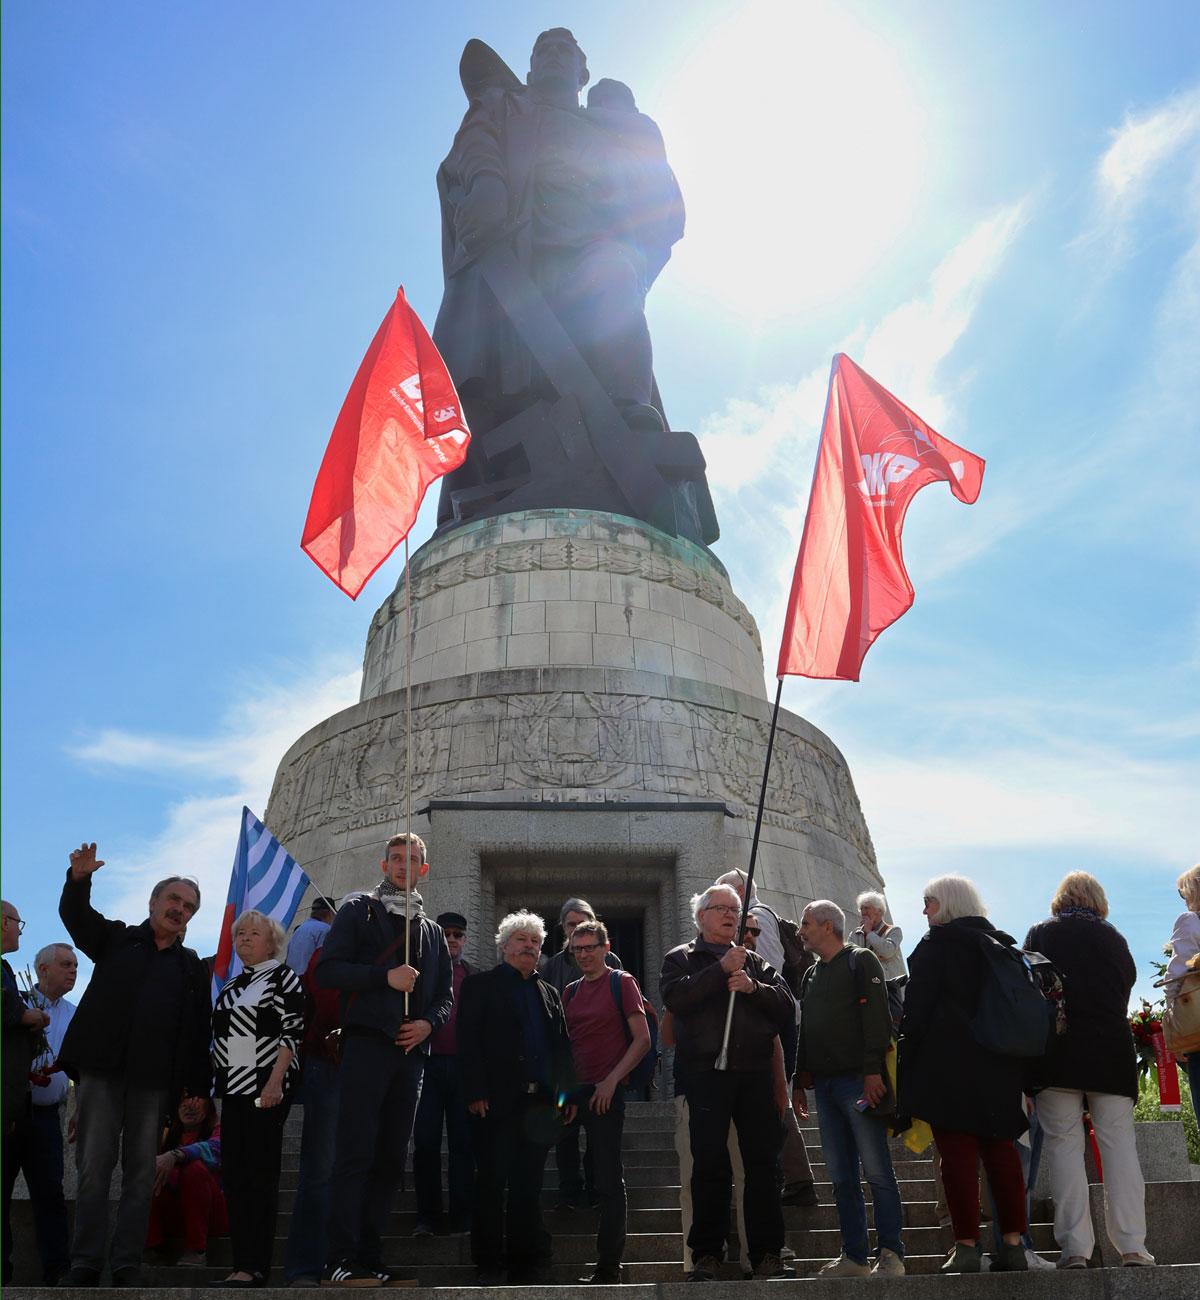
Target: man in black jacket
<point>390,1007</point>
<point>697,979</point>
<point>136,1044</point>
<point>516,1066</point>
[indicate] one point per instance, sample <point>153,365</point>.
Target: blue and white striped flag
<point>266,878</point>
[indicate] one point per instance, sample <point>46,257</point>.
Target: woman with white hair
<point>1092,1067</point>
<point>257,1023</point>
<point>875,933</point>
<point>971,1097</point>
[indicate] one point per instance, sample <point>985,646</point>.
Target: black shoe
<point>799,1194</point>
<point>350,1275</point>
<point>771,1266</point>
<point>567,1204</point>
<point>704,1269</point>
<point>604,1275</point>
<point>533,1275</point>
<point>393,1277</point>
<point>130,1275</point>
<point>78,1276</point>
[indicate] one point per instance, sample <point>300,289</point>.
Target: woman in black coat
<point>1091,1067</point>
<point>969,1096</point>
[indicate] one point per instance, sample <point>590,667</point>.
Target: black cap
<point>322,904</point>
<point>455,919</point>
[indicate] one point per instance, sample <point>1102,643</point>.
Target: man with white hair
<point>516,1066</point>
<point>41,1157</point>
<point>845,1032</point>
<point>697,980</point>
<point>876,934</point>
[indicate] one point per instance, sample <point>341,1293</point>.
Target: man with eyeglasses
<point>443,1102</point>
<point>606,1022</point>
<point>21,1026</point>
<point>697,980</point>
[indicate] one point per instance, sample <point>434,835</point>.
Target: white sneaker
<point>1035,1261</point>
<point>889,1264</point>
<point>843,1267</point>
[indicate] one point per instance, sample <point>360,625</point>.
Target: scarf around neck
<point>393,898</point>
<point>1079,911</point>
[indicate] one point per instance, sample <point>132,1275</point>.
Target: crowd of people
<point>374,1022</point>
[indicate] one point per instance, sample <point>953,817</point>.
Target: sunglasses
<point>756,933</point>
<point>456,934</point>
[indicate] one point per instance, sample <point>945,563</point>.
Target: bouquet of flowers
<point>1145,1024</point>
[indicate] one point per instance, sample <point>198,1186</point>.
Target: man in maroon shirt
<point>442,1101</point>
<point>606,1021</point>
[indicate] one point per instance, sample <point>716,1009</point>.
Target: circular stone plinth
<point>565,589</point>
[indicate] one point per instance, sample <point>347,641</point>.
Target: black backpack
<point>642,1074</point>
<point>1015,1017</point>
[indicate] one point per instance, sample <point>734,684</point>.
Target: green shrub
<point>1146,1108</point>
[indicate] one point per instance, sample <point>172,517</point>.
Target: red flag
<point>850,582</point>
<point>400,428</point>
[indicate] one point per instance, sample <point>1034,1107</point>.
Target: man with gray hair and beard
<point>845,1033</point>
<point>137,1042</point>
<point>697,980</point>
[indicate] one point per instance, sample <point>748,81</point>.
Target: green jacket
<point>845,1026</point>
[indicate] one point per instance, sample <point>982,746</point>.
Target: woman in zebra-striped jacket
<point>258,1023</point>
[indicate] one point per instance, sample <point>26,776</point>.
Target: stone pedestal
<point>589,717</point>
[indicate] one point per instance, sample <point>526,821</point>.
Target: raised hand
<point>84,861</point>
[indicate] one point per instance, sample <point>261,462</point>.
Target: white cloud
<point>236,765</point>
<point>1129,174</point>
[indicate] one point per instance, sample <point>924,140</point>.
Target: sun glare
<point>799,142</point>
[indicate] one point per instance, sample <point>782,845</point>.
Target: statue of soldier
<point>586,201</point>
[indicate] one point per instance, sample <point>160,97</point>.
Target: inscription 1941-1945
<point>556,220</point>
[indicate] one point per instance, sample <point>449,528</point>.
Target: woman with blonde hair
<point>257,1024</point>
<point>969,1095</point>
<point>1092,1067</point>
<point>1185,957</point>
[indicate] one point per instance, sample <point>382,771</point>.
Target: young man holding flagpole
<point>390,1007</point>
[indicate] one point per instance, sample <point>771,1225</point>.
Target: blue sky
<point>994,208</point>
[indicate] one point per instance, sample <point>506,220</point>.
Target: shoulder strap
<point>569,992</point>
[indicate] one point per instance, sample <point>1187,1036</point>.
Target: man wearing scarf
<point>390,1007</point>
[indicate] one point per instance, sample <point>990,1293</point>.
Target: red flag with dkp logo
<point>400,429</point>
<point>850,582</point>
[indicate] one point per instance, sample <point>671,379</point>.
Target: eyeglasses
<point>456,934</point>
<point>727,908</point>
<point>585,947</point>
<point>16,920</point>
<point>755,933</point>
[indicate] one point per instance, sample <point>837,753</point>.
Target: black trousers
<point>442,1103</point>
<point>510,1155</point>
<point>604,1141</point>
<point>747,1100</point>
<point>251,1153</point>
<point>379,1087</point>
<point>16,1130</point>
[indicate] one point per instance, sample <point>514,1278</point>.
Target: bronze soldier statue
<point>556,219</point>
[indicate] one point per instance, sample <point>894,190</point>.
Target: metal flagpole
<point>408,648</point>
<point>722,1062</point>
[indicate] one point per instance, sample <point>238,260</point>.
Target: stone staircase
<point>654,1251</point>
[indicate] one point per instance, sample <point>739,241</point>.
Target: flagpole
<point>722,1062</point>
<point>408,647</point>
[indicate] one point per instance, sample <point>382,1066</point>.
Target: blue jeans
<point>306,1243</point>
<point>848,1137</point>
